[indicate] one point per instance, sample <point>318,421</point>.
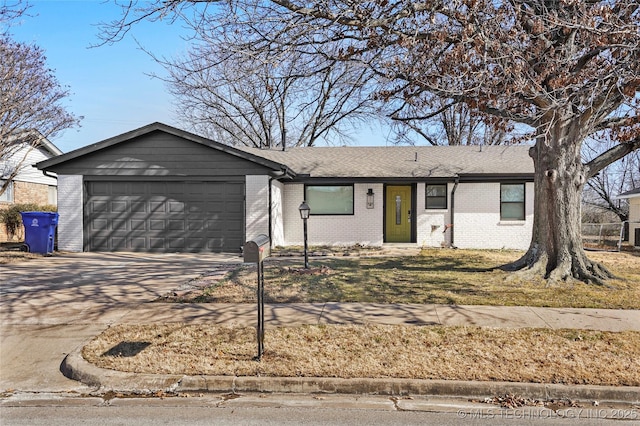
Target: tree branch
<point>610,156</point>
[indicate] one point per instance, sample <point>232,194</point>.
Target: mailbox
<point>258,249</point>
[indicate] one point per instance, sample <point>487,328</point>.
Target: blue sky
<point>109,85</point>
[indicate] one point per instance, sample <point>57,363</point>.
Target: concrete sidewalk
<point>291,314</point>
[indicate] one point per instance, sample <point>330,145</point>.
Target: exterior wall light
<point>370,197</point>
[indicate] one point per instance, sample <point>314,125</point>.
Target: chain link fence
<point>603,236</point>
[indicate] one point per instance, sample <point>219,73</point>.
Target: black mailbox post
<point>255,251</point>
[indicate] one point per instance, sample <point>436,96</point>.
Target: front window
<point>330,199</point>
<point>7,195</point>
<point>512,201</point>
<point>436,196</point>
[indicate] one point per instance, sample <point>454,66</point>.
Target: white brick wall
<point>257,206</point>
<point>70,209</point>
<point>431,223</point>
<point>277,222</point>
<point>477,218</point>
<point>477,221</point>
<point>364,227</point>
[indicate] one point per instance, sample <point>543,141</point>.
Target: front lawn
<point>442,276</point>
<point>400,351</point>
<point>378,351</point>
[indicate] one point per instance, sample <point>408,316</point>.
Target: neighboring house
<point>634,215</point>
<point>28,185</point>
<point>161,189</point>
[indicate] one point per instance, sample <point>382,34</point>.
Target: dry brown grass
<point>378,351</point>
<point>442,276</point>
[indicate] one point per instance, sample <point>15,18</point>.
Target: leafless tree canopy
<point>454,124</point>
<point>535,62</point>
<point>266,99</point>
<point>566,69</point>
<point>30,100</point>
<point>30,96</point>
<point>10,12</point>
<point>618,177</point>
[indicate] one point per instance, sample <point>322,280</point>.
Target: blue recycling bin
<point>39,231</point>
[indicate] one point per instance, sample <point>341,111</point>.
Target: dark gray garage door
<point>164,216</point>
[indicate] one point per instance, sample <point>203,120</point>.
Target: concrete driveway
<point>49,306</point>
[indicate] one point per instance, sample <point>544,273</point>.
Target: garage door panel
<point>99,224</point>
<point>139,207</point>
<point>164,216</point>
<point>98,206</point>
<point>117,232</point>
<point>138,243</point>
<point>196,243</point>
<point>138,225</point>
<point>197,207</point>
<point>176,207</point>
<point>118,188</point>
<point>156,243</point>
<point>176,225</point>
<point>101,188</point>
<point>236,228</point>
<point>157,206</point>
<point>119,206</point>
<point>118,243</point>
<point>195,225</point>
<point>140,190</point>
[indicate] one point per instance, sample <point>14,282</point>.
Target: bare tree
<point>264,103</point>
<point>10,12</point>
<point>618,177</point>
<point>232,88</point>
<point>567,69</point>
<point>452,124</point>
<point>31,107</point>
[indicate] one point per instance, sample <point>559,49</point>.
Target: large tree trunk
<point>556,251</point>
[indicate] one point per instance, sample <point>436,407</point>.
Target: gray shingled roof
<point>402,161</point>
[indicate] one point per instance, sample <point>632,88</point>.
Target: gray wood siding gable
<point>159,154</point>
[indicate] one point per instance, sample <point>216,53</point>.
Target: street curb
<point>75,367</point>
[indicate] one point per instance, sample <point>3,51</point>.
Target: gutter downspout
<point>453,207</point>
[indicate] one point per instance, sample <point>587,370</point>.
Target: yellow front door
<point>398,214</point>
